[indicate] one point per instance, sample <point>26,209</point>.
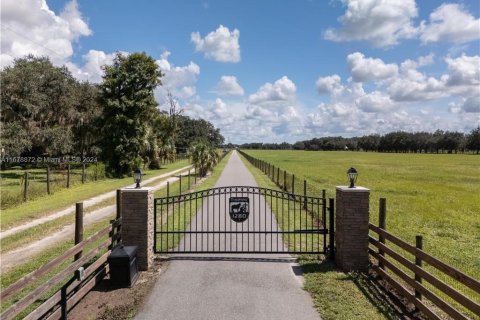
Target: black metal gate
<point>243,219</point>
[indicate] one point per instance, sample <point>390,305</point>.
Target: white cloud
<point>415,86</point>
<point>180,81</point>
<point>450,22</point>
<point>228,86</point>
<point>219,45</point>
<point>330,85</point>
<point>368,69</point>
<point>464,70</point>
<point>468,105</point>
<point>30,27</point>
<point>380,22</point>
<point>375,102</point>
<point>281,92</point>
<point>92,69</point>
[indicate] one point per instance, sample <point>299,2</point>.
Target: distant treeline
<point>399,141</point>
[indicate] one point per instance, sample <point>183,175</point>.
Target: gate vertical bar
<point>293,183</point>
<point>305,194</point>
<point>331,231</point>
<point>155,225</point>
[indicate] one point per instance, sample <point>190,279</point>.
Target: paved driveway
<point>230,286</point>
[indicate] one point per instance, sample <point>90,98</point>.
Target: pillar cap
<point>133,189</point>
<point>354,189</point>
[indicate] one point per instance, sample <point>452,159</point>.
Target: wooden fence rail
<point>414,288</point>
<point>75,288</point>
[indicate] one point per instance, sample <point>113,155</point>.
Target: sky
<point>274,71</point>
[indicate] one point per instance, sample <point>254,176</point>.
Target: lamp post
<point>352,176</point>
<point>137,177</point>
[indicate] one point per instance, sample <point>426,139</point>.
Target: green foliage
<point>196,130</point>
<point>45,111</point>
<point>203,156</point>
<point>473,140</point>
<point>15,139</point>
<point>128,104</point>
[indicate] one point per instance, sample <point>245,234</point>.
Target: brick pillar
<point>351,235</point>
<point>137,223</point>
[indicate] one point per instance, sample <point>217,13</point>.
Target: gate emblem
<point>239,208</point>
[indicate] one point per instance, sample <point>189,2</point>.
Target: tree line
<point>47,112</point>
<point>399,141</point>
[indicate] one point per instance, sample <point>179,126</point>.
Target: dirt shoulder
<point>110,303</point>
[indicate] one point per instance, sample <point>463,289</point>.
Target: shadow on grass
<point>369,284</point>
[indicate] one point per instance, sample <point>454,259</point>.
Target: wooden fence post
<point>68,175</point>
<point>278,176</point>
<point>382,224</point>
<point>293,183</point>
<point>25,187</point>
<point>118,216</point>
<point>119,203</point>
<point>48,179</point>
<point>188,179</point>
<point>168,189</point>
<point>78,227</point>
<point>285,180</point>
<point>83,173</point>
<point>418,262</point>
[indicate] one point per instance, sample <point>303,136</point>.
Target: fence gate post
<point>351,235</point>
<point>137,223</point>
<point>25,187</point>
<point>48,179</point>
<point>418,262</point>
<point>68,175</point>
<point>78,226</point>
<point>382,224</point>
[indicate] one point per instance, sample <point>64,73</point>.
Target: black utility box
<point>123,266</point>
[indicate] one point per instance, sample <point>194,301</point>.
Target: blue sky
<point>276,70</point>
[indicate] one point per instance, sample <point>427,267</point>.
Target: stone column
<point>137,223</point>
<point>351,234</point>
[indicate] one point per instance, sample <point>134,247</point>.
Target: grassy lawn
<point>431,195</point>
<point>62,198</point>
<point>336,295</point>
<point>435,196</point>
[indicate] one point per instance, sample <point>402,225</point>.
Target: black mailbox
<point>123,266</point>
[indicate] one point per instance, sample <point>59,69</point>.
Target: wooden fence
<point>285,180</point>
<point>416,281</point>
<point>74,284</point>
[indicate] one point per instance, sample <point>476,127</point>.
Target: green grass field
<point>437,196</point>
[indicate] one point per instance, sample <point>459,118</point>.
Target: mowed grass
<point>60,199</point>
<point>436,196</point>
<point>336,295</point>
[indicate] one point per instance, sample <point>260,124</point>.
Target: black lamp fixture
<point>137,177</point>
<point>352,176</point>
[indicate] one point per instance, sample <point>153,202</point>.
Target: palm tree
<point>203,156</point>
